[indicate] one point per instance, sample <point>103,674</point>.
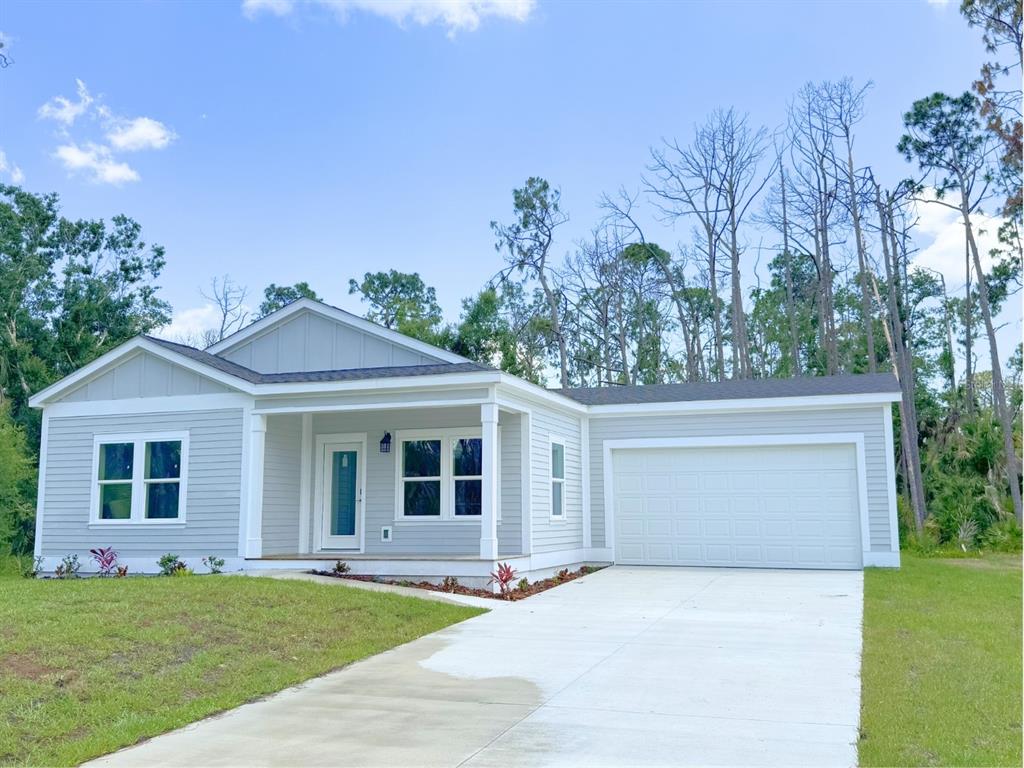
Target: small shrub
<point>31,571</point>
<point>184,570</point>
<point>1002,536</point>
<point>340,568</point>
<point>450,584</point>
<point>524,584</point>
<point>922,543</point>
<point>562,575</point>
<point>170,564</point>
<point>503,577</point>
<point>214,564</point>
<point>967,534</point>
<point>122,571</point>
<point>106,560</point>
<point>68,568</point>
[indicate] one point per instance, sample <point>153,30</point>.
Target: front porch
<point>405,482</point>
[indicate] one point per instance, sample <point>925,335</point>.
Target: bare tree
<point>229,299</point>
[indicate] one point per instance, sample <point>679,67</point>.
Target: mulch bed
<point>514,593</point>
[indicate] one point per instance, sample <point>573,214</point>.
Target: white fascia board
<point>412,383</point>
<point>119,353</point>
<point>533,392</point>
<point>743,404</point>
<point>338,315</point>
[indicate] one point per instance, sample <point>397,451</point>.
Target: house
<point>315,435</point>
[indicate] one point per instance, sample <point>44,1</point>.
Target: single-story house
<point>313,435</point>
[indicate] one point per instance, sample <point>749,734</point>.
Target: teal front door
<point>341,506</point>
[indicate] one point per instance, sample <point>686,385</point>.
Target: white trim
<point>890,481</point>
<point>130,347</point>
<point>490,489</point>
<point>841,438</point>
<point>138,481</point>
<point>384,406</point>
<point>554,440</point>
<point>741,404</point>
<point>319,486</point>
<point>882,559</point>
<point>135,405</point>
<point>41,483</point>
<point>534,394</point>
<point>254,510</point>
<point>305,482</point>
<point>585,480</point>
<point>243,494</point>
<point>338,315</point>
<point>526,480</point>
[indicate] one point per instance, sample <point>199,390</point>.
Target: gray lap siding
<point>213,486</point>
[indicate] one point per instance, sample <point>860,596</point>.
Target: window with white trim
<point>139,478</point>
<point>440,475</point>
<point>557,479</point>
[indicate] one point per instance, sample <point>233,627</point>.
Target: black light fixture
<point>385,443</point>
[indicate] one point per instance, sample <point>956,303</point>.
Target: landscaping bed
<point>507,589</point>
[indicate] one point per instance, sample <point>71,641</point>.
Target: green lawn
<point>942,663</point>
<point>92,665</point>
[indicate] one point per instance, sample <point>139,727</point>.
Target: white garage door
<point>792,506</point>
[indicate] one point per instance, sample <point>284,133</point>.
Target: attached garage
<point>793,502</point>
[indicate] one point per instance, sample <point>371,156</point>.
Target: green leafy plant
<point>340,568</point>
<point>1002,536</point>
<point>967,534</point>
<point>170,564</point>
<point>214,564</point>
<point>524,584</point>
<point>184,570</point>
<point>68,568</point>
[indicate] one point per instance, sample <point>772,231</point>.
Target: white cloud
<point>188,325</point>
<point>64,110</point>
<point>17,177</point>
<point>96,161</point>
<point>456,15</point>
<point>139,133</point>
<point>943,230</point>
<point>96,158</point>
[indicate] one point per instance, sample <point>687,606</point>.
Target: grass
<point>92,665</point>
<point>941,676</point>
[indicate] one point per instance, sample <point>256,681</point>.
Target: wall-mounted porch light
<point>385,443</point>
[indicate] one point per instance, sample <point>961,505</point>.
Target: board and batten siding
<point>213,494</point>
<point>553,535</point>
<point>866,420</point>
<point>143,375</point>
<point>436,537</point>
<point>308,341</point>
<point>282,469</point>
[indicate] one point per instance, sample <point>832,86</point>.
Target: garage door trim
<point>745,441</point>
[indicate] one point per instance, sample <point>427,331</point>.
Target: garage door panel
<point>771,506</point>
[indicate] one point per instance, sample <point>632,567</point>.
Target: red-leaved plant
<point>504,577</point>
<point>106,560</point>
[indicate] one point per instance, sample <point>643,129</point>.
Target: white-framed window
<point>439,475</point>
<point>139,479</point>
<point>557,455</point>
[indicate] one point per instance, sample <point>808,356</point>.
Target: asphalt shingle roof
<point>344,374</point>
<point>735,389</point>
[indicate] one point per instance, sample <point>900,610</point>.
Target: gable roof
<point>338,315</point>
<point>343,374</point>
<point>735,389</point>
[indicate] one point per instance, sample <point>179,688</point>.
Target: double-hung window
<point>557,480</point>
<point>439,475</point>
<point>139,478</point>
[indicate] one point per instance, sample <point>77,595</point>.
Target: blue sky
<point>281,141</point>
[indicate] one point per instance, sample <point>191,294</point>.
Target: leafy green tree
<point>17,486</point>
<point>277,296</point>
<point>403,302</point>
<point>69,291</point>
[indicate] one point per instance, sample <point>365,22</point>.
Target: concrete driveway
<point>628,666</point>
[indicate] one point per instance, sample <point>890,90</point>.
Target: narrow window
<point>421,478</point>
<point>557,480</point>
<point>115,478</point>
<point>467,471</point>
<point>162,479</point>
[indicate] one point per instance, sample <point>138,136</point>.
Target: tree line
<point>839,291</point>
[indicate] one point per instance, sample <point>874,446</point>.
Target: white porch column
<point>489,482</point>
<point>254,498</point>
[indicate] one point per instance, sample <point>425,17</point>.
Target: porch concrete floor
<point>627,666</point>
